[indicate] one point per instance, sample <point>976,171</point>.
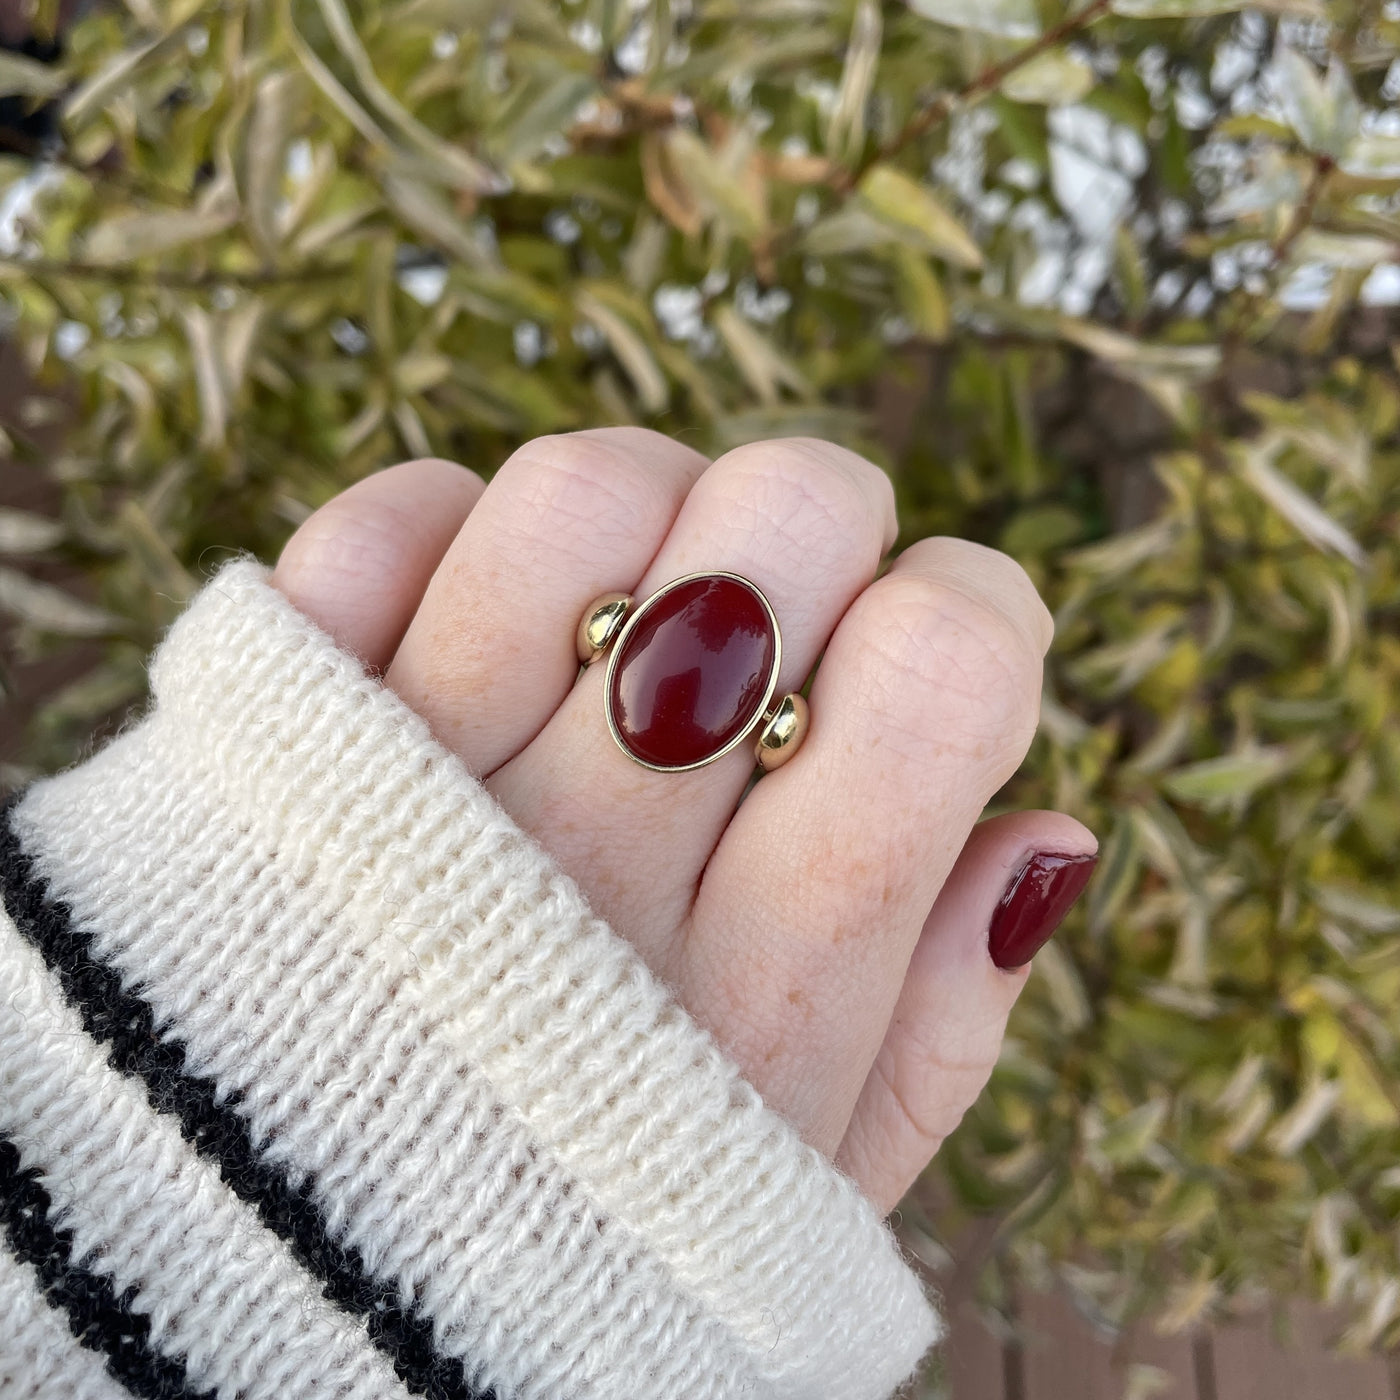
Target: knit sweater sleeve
<point>319,1078</point>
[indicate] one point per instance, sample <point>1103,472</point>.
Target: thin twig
<point>1323,165</point>
<point>941,107</point>
<point>175,281</point>
<point>1235,321</point>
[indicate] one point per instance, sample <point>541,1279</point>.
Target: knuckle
<point>805,495</point>
<point>905,1121</point>
<point>569,481</point>
<point>950,665</point>
<point>929,1085</point>
<point>643,442</point>
<point>343,540</point>
<point>445,475</point>
<point>379,522</point>
<point>989,574</point>
<point>435,466</point>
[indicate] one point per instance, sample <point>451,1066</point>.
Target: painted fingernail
<point>1039,896</point>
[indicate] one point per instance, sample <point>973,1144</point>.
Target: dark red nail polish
<point>1039,896</point>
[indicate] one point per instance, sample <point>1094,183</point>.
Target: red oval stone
<point>693,672</point>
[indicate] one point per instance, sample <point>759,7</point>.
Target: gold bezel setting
<point>762,714</point>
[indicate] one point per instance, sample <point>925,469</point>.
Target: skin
<point>831,931</point>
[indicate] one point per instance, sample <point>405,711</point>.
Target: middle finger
<point>806,521</point>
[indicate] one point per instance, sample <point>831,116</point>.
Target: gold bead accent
<point>783,733</point>
<point>602,621</point>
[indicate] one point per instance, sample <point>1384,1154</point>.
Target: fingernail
<point>1039,896</point>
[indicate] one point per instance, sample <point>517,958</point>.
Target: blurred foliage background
<point>1111,287</point>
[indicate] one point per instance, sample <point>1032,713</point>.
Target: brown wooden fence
<point>1054,1354</point>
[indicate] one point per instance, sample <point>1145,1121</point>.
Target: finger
<point>807,522</point>
<point>1015,880</point>
<point>358,566</point>
<point>924,705</point>
<point>490,654</point>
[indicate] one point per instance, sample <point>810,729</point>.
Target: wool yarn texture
<point>318,1077</point>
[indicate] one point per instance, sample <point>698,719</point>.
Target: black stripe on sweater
<point>101,1319</point>
<point>120,1019</point>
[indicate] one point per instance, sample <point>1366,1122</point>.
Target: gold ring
<point>692,673</point>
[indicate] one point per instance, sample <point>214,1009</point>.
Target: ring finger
<point>812,904</point>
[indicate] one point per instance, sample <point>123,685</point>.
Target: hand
<point>831,931</point>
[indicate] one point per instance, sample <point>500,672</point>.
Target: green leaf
<point>419,371</point>
<point>1373,156</point>
<point>1303,1119</point>
<point>1129,1138</point>
<point>264,154</point>
<point>1356,909</point>
<point>1125,552</point>
<point>1175,9</point>
<point>631,350</point>
<point>425,211</point>
<point>1120,867</point>
<point>921,298</point>
<point>1323,111</point>
<point>209,379</point>
<point>1199,9</point>
<point>1064,986</point>
<point>24,533</point>
<point>446,162</point>
<point>25,77</point>
<point>106,689</point>
<point>1358,251</point>
<point>918,216</point>
<point>1008,19</point>
<point>845,130</point>
<point>1220,782</point>
<point>789,420</point>
<point>501,294</point>
<point>851,228</point>
<point>744,56</point>
<point>539,111</point>
<point>1122,352</point>
<point>49,609</point>
<point>1257,467</point>
<point>113,77</point>
<point>158,562</point>
<point>1278,183</point>
<point>1144,1382</point>
<point>129,237</point>
<point>1118,666</point>
<point>760,362</point>
<point>1054,78</point>
<point>706,173</point>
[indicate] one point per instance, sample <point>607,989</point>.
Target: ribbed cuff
<point>439,1066</point>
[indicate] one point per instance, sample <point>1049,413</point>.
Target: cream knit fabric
<point>405,1117</point>
<point>38,1358</point>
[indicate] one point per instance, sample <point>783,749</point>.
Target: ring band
<point>692,672</point>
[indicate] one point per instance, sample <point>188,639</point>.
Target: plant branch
<point>1235,323</point>
<point>1323,165</point>
<point>174,281</point>
<point>941,107</point>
